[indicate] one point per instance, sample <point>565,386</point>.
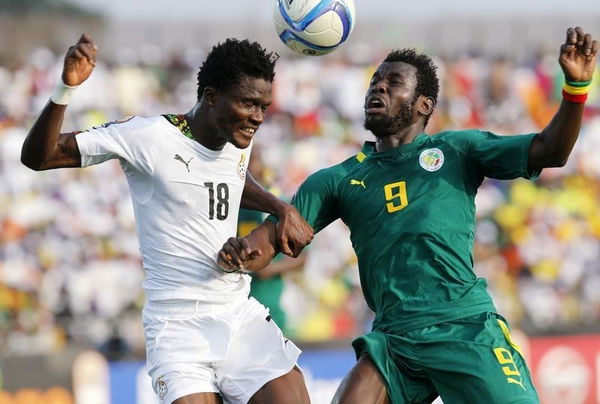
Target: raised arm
<point>45,147</point>
<point>552,147</point>
<point>292,232</point>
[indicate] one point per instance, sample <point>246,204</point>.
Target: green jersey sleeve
<point>316,199</point>
<point>500,157</point>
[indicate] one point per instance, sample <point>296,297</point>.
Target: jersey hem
<point>434,318</point>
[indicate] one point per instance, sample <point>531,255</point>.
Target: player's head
<point>403,92</point>
<point>234,83</point>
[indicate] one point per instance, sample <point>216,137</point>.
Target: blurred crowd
<point>70,270</point>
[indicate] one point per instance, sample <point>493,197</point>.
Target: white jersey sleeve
<point>125,140</point>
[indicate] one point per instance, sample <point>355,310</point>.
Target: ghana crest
<point>241,168</point>
<point>161,388</point>
<point>431,159</point>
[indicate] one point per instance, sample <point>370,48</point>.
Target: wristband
<point>574,98</point>
<point>576,90</point>
<point>578,83</point>
<point>62,93</point>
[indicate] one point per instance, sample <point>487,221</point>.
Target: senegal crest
<point>431,159</point>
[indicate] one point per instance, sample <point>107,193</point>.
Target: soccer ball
<point>313,27</point>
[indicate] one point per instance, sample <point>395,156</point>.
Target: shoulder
<point>130,124</point>
<point>460,139</point>
<point>338,171</point>
<point>453,136</point>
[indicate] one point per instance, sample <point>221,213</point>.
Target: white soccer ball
<point>314,27</point>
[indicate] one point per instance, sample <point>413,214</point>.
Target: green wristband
<point>578,83</point>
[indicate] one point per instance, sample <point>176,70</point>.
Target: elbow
<point>561,162</point>
<point>31,163</point>
<point>558,160</point>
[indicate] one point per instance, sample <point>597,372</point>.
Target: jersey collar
<point>369,147</point>
<point>180,123</point>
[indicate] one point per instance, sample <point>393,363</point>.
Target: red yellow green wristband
<point>575,98</point>
<point>576,91</point>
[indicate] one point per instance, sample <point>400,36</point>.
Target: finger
<point>226,258</point>
<point>87,51</point>
<point>595,45</point>
<point>233,253</point>
<point>571,37</point>
<point>245,246</point>
<point>285,248</point>
<point>225,266</point>
<point>238,244</point>
<point>580,35</point>
<point>587,44</point>
<point>85,38</point>
<point>78,54</point>
<point>256,253</point>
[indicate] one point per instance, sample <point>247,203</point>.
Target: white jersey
<point>186,200</point>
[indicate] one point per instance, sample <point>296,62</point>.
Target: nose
<point>379,87</point>
<point>257,117</point>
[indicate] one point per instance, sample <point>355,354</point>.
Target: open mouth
<point>374,105</point>
<point>247,132</point>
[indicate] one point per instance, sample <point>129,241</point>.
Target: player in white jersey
<point>206,341</point>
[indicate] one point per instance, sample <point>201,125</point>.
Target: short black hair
<point>428,83</point>
<point>228,61</point>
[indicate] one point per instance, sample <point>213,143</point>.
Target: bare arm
<point>281,266</point>
<point>552,147</point>
<point>292,232</point>
<point>256,197</point>
<point>45,147</point>
<point>251,253</point>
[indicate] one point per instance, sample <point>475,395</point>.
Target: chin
<point>241,143</point>
<point>377,124</point>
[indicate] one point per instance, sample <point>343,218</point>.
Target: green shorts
<point>471,360</point>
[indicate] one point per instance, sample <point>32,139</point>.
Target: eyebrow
<point>396,75</point>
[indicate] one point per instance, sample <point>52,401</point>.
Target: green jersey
<point>411,213</point>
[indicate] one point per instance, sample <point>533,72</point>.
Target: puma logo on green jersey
<point>514,381</point>
<point>357,182</point>
<point>187,163</point>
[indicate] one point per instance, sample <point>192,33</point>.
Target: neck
<point>203,131</point>
<point>402,137</point>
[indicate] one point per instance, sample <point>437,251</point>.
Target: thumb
<point>84,38</point>
<point>255,253</point>
<point>285,246</point>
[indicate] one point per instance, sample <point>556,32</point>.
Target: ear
<point>425,105</point>
<point>209,96</point>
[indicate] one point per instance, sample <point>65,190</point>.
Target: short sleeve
<point>316,200</point>
<point>126,140</point>
<point>501,157</point>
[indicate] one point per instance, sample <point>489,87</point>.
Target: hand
<point>293,233</point>
<point>578,55</point>
<point>80,60</point>
<point>236,254</point>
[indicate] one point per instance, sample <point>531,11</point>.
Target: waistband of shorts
<point>185,306</point>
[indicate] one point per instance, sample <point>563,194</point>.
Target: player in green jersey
<point>408,199</point>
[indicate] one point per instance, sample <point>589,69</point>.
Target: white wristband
<point>62,93</point>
